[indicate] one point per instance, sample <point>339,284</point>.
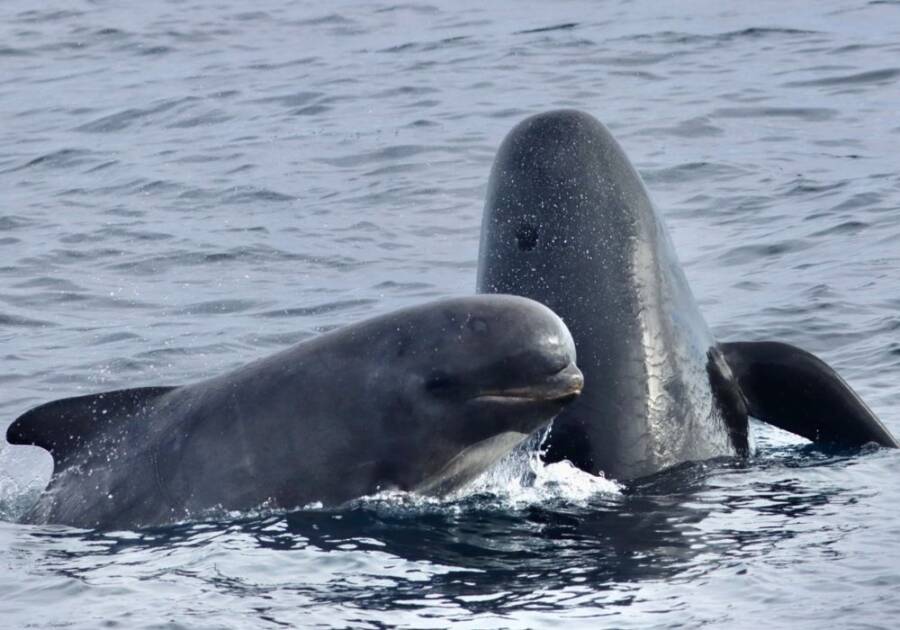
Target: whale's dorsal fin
<point>796,391</point>
<point>62,426</point>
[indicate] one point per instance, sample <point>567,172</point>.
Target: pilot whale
<point>568,222</point>
<point>422,399</point>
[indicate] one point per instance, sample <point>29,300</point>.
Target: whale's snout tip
<point>568,382</point>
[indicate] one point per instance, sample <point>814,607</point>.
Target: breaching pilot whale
<point>421,399</point>
<point>568,222</point>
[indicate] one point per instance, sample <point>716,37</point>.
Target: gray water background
<point>186,186</point>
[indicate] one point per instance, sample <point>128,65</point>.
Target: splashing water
<point>522,479</point>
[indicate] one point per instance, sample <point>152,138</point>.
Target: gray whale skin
<point>422,399</point>
<point>568,222</point>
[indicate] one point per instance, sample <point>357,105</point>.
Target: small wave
<point>757,31</point>
<point>37,16</point>
<point>6,51</point>
<point>102,166</point>
<point>217,307</point>
<point>319,309</point>
<point>9,222</point>
<point>691,128</point>
<point>637,74</point>
<point>294,99</point>
<point>886,75</point>
<point>251,16</point>
<point>858,201</point>
<point>115,338</point>
<point>111,32</point>
<point>750,34</point>
<point>48,282</point>
<point>212,117</point>
<point>507,112</point>
<point>423,9</point>
<point>422,122</point>
<point>153,51</point>
<point>749,253</point>
<point>406,90</point>
<point>396,152</point>
<point>126,118</point>
<point>847,227</point>
<point>637,59</point>
<point>403,286</point>
<point>330,19</point>
<point>851,48</point>
<point>701,171</point>
<point>242,194</point>
<point>189,258</point>
<point>804,187</point>
<point>18,321</point>
<point>277,340</point>
<point>567,26</point>
<point>447,42</point>
<point>812,114</point>
<point>215,349</point>
<point>302,61</point>
<point>63,158</point>
<point>310,110</point>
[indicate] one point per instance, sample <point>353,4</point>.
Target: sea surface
<point>189,185</point>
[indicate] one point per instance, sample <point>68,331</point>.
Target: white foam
<point>521,479</point>
<point>518,481</point>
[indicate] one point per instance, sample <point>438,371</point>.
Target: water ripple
<point>887,75</point>
<point>319,309</point>
<point>191,186</point>
<point>806,113</point>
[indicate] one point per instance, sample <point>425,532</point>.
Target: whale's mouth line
<point>562,386</point>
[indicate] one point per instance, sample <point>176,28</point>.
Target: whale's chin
<point>469,463</point>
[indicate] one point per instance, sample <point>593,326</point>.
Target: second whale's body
<point>568,222</point>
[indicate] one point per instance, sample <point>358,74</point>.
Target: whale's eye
<point>438,383</point>
<point>527,237</point>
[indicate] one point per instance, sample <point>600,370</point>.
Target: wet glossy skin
<point>421,399</point>
<point>568,222</point>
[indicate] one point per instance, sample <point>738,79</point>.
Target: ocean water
<point>188,185</point>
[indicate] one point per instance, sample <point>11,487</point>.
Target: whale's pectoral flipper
<point>62,426</point>
<point>794,390</point>
<point>732,403</point>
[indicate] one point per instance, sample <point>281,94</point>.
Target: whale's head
<point>562,195</point>
<point>455,384</point>
<point>568,222</point>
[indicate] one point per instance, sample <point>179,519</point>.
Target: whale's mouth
<point>562,387</point>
